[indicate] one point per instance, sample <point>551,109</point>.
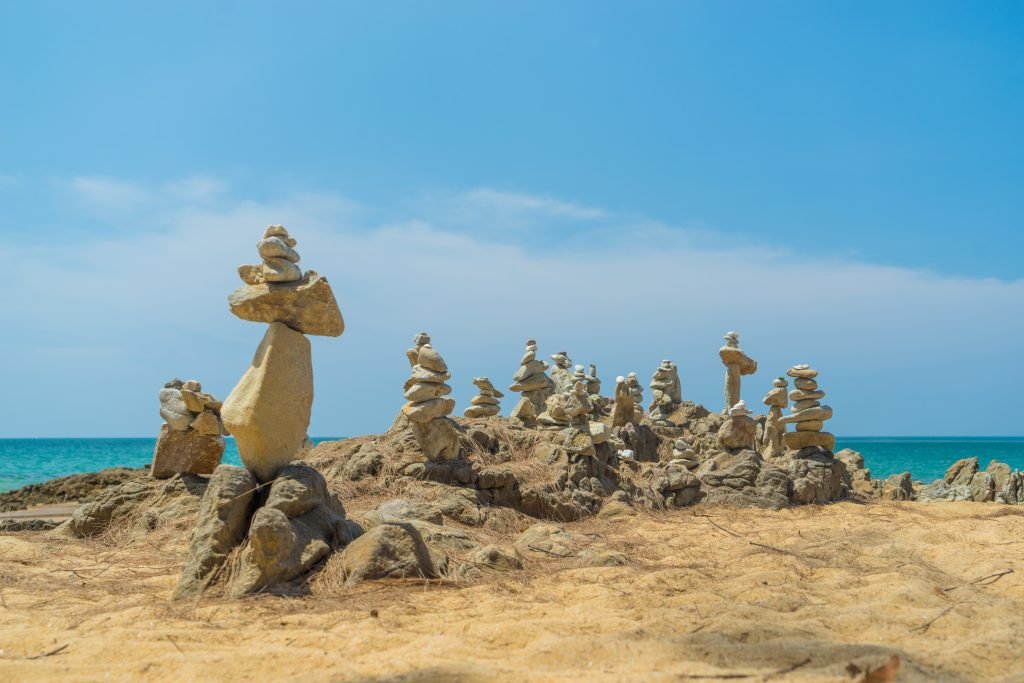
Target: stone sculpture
<point>191,440</point>
<point>429,406</point>
<point>485,403</point>
<point>773,443</point>
<point>419,341</point>
<point>268,411</point>
<point>561,372</point>
<point>666,393</point>
<point>739,430</point>
<point>807,413</point>
<point>636,390</point>
<point>736,364</point>
<point>624,411</point>
<point>531,380</point>
<point>683,454</point>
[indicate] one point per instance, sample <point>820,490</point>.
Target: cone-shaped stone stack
<point>807,412</point>
<point>485,403</point>
<point>561,372</point>
<point>773,443</point>
<point>683,454</point>
<point>429,406</point>
<point>531,380</point>
<point>666,393</point>
<point>736,364</point>
<point>625,410</point>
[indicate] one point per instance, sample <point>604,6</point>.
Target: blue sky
<point>840,182</point>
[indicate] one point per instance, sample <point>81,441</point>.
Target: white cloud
<point>900,351</point>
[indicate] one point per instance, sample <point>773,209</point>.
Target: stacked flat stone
<point>192,439</point>
<point>268,410</point>
<point>531,380</point>
<point>683,454</point>
<point>636,390</point>
<point>807,412</point>
<point>773,443</point>
<point>736,365</point>
<point>419,341</point>
<point>561,372</point>
<point>429,405</point>
<point>599,404</point>
<point>666,393</point>
<point>739,430</point>
<point>485,403</point>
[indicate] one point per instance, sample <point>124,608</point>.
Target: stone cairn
<point>191,440</point>
<point>636,391</point>
<point>773,443</point>
<point>531,380</point>
<point>739,430</point>
<point>268,411</point>
<point>807,412</point>
<point>666,393</point>
<point>625,409</point>
<point>413,354</point>
<point>279,511</point>
<point>561,372</point>
<point>683,454</point>
<point>599,404</point>
<point>429,406</point>
<point>485,403</point>
<point>736,364</point>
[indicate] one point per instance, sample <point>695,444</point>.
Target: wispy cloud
<point>900,351</point>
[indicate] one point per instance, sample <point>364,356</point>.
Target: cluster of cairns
<point>191,440</point>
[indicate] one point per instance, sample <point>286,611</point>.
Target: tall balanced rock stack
<point>531,380</point>
<point>484,404</point>
<point>268,411</point>
<point>429,405</point>
<point>561,372</point>
<point>736,364</point>
<point>739,430</point>
<point>807,412</point>
<point>666,393</point>
<point>191,441</point>
<point>773,444</point>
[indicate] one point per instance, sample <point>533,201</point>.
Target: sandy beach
<point>803,594</point>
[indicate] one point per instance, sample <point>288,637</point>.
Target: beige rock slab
<point>796,441</point>
<point>186,452</point>
<point>305,305</point>
<point>268,411</point>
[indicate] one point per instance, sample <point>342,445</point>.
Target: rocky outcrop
<point>74,488</point>
<point>192,439</point>
<point>666,393</point>
<point>429,406</point>
<point>139,505</point>
<point>485,403</point>
<point>268,411</point>
<point>736,365</point>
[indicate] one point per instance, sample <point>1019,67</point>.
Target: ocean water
<point>27,461</point>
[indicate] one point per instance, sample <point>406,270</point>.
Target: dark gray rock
<point>223,520</point>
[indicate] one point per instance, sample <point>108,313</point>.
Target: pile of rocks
<point>561,372</point>
<point>739,430</point>
<point>429,405</point>
<point>666,393</point>
<point>624,410</point>
<point>531,380</point>
<point>736,364</point>
<point>683,454</point>
<point>636,392</point>
<point>807,412</point>
<point>191,441</point>
<point>773,444</point>
<point>280,260</point>
<point>485,403</point>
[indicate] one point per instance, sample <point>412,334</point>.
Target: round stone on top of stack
<point>807,412</point>
<point>485,403</point>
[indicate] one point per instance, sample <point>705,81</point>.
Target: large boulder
<point>297,527</point>
<point>307,305</point>
<point>818,477</point>
<point>185,452</point>
<point>222,524</point>
<point>1012,490</point>
<point>738,431</point>
<point>268,411</point>
<point>389,551</point>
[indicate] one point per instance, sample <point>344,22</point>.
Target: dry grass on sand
<point>805,594</point>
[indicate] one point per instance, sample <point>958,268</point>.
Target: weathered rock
<point>599,556</point>
<point>427,410</point>
<point>546,539</point>
<point>268,411</point>
<point>438,439</point>
<point>306,305</point>
<point>188,452</point>
<point>1012,490</point>
<point>796,441</point>
<point>896,487</point>
<point>389,551</point>
<point>399,510</point>
<point>77,488</point>
<point>736,364</point>
<point>173,409</point>
<point>961,472</point>
<point>1000,473</point>
<point>298,526</point>
<point>738,431</point>
<point>207,423</point>
<point>222,524</point>
<point>818,477</point>
<point>497,558</point>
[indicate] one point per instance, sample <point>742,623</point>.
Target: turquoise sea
<point>27,461</point>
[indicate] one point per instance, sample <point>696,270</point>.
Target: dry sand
<point>709,593</point>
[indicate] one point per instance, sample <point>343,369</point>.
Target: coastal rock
<point>223,520</point>
<point>191,452</point>
<point>1012,490</point>
<point>268,411</point>
<point>897,487</point>
<point>389,551</point>
<point>173,409</point>
<point>305,305</point>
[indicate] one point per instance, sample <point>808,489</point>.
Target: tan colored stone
<point>431,359</point>
<point>810,426</point>
<point>424,391</point>
<point>438,438</point>
<point>802,372</point>
<point>819,413</point>
<point>306,305</point>
<point>806,384</point>
<point>268,411</point>
<point>251,274</point>
<point>796,441</point>
<point>424,411</point>
<point>187,452</point>
<point>805,404</point>
<point>207,423</point>
<point>801,395</point>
